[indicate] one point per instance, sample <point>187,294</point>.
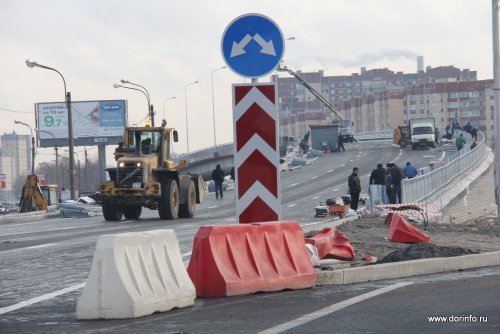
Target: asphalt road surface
<point>45,263</point>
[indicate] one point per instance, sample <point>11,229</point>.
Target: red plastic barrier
<point>388,219</point>
<point>239,259</point>
<point>401,231</point>
<point>332,244</point>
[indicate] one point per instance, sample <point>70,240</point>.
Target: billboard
<point>94,122</point>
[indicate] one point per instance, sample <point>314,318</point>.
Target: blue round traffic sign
<point>252,45</point>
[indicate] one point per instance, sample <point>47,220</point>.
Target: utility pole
<point>496,95</point>
<point>86,168</point>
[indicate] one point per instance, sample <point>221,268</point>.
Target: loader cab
<point>150,141</point>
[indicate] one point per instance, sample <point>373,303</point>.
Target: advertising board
<point>94,122</point>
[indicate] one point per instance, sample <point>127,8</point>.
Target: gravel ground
<point>368,237</point>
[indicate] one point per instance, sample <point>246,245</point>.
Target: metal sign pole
<point>496,95</point>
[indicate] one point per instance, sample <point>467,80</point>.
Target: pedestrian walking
<point>410,171</point>
<point>460,142</point>
<point>354,188</point>
<point>340,144</point>
<point>218,178</point>
<point>377,190</point>
<point>396,178</point>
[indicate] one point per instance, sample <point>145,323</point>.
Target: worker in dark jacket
<point>354,188</point>
<point>218,177</point>
<point>378,193</point>
<point>396,178</point>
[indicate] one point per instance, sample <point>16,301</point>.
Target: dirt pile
<point>424,251</point>
<point>368,237</point>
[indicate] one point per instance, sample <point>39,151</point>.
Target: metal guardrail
<point>423,186</point>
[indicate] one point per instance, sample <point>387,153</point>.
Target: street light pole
<point>170,98</point>
<point>213,107</point>
<point>56,150</point>
<point>151,112</point>
<point>496,96</point>
<point>32,146</point>
<point>67,96</point>
<point>187,125</point>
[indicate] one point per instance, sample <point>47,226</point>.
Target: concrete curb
<point>27,215</point>
<point>407,268</point>
<point>397,269</point>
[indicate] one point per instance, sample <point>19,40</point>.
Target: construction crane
<point>314,92</point>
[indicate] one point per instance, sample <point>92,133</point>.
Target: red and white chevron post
<point>256,158</point>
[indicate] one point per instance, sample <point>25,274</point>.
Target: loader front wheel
<point>187,209</point>
<point>168,205</point>
<point>111,211</point>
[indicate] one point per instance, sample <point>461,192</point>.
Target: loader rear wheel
<point>111,211</point>
<point>187,209</point>
<point>132,211</point>
<point>168,205</point>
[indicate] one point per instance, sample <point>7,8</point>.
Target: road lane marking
<point>315,197</point>
<point>292,205</point>
<point>41,298</point>
<point>331,170</point>
<point>313,177</point>
<point>186,254</point>
<point>335,189</point>
<point>212,207</point>
<point>332,308</point>
<point>294,184</point>
<point>343,165</point>
<point>39,246</point>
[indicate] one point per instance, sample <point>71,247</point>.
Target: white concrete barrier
<point>135,274</point>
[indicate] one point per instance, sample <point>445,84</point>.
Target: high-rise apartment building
<point>15,161</point>
<point>380,99</point>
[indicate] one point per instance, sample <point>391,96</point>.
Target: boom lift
<point>344,125</point>
<point>314,92</point>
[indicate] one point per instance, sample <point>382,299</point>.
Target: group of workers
<point>384,184</point>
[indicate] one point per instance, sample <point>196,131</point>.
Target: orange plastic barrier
<point>401,231</point>
<point>239,259</point>
<point>332,244</point>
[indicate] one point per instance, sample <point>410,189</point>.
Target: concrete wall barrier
<point>233,260</point>
<point>135,274</point>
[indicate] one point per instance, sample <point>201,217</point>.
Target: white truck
<point>422,132</point>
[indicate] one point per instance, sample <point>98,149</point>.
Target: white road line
<point>331,170</point>
<point>230,220</point>
<point>41,298</point>
<point>186,254</point>
<point>294,184</point>
<point>292,205</point>
<point>331,309</point>
<point>39,246</point>
<point>335,189</point>
<point>343,165</point>
<point>313,177</point>
<point>212,207</point>
<point>315,197</point>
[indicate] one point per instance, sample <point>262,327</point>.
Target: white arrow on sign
<point>238,49</point>
<point>267,47</point>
